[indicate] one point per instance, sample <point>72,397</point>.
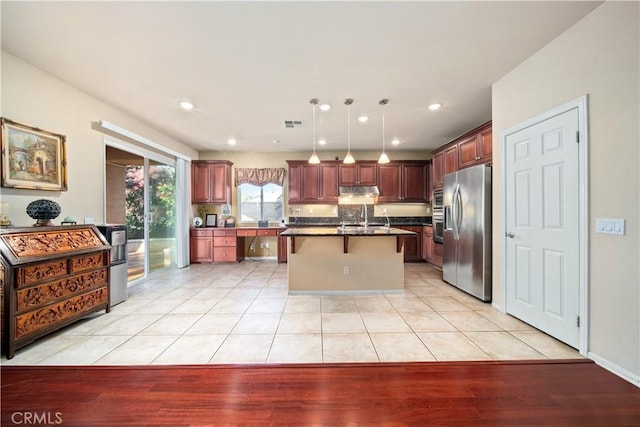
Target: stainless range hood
<point>359,190</point>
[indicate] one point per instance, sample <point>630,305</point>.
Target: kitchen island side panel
<point>319,264</point>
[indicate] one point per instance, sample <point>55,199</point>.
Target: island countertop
<point>346,231</point>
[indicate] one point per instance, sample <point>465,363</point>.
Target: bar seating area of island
<point>345,259</point>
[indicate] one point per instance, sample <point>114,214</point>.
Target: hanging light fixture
<point>314,159</point>
<point>348,158</point>
<point>383,157</point>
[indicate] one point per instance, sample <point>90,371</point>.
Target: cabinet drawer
<point>28,298</point>
<point>224,253</point>
<point>201,233</point>
<point>246,233</point>
<point>39,272</point>
<point>88,262</point>
<point>33,321</point>
<point>267,232</point>
<point>224,241</point>
<point>223,232</point>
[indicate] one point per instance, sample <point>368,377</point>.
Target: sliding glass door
<point>141,193</point>
<point>161,217</point>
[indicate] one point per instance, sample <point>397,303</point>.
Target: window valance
<point>258,176</point>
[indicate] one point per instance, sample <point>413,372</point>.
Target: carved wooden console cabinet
<point>49,278</point>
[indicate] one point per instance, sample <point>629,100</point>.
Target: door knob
<point>510,235</point>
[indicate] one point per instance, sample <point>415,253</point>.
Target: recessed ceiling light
<point>325,107</point>
<point>276,141</point>
<point>186,105</point>
<point>435,106</point>
<point>363,119</point>
<point>396,141</point>
<point>231,141</point>
<point>322,141</point>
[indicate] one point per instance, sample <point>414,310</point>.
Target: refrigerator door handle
<point>454,211</point>
<point>459,211</point>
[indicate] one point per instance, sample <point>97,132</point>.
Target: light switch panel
<point>610,226</point>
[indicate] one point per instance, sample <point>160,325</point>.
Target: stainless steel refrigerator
<point>467,231</point>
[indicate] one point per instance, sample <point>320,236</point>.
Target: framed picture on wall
<point>211,220</point>
<point>32,158</point>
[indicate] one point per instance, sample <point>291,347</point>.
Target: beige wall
<point>599,56</point>
<point>33,97</point>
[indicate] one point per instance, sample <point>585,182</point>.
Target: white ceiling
<point>250,65</point>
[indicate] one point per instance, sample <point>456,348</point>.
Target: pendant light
<point>383,157</point>
<point>348,158</point>
<point>314,159</point>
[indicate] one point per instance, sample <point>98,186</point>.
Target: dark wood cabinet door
<point>468,152</point>
<point>367,173</point>
<point>220,186</point>
<point>450,160</point>
<point>485,145</point>
<point>436,259</point>
<point>427,243</point>
<point>412,244</point>
<point>200,183</point>
<point>390,182</point>
<point>282,249</point>
<point>360,173</point>
<point>328,182</point>
<point>347,174</point>
<point>414,181</point>
<point>294,185</point>
<point>437,170</point>
<point>309,182</point>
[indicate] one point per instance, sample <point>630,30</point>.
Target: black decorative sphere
<point>43,211</point>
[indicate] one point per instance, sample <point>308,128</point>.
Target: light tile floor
<point>242,313</point>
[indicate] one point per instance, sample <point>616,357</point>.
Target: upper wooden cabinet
<point>475,149</point>
<point>403,182</point>
<point>211,181</point>
<point>437,170</point>
<point>312,183</point>
<point>472,148</point>
<point>359,173</point>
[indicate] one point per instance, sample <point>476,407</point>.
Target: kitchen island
<point>349,259</point>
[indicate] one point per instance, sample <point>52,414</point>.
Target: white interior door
<point>543,227</point>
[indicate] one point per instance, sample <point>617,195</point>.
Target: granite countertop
<point>348,231</point>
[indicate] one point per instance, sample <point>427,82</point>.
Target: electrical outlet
<point>266,245</point>
<point>384,211</point>
<point>89,220</point>
<point>252,246</point>
<point>262,246</point>
<point>297,210</point>
<point>346,269</point>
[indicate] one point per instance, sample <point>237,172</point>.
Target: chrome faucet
<point>365,215</point>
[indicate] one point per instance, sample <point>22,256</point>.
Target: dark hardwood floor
<point>533,393</point>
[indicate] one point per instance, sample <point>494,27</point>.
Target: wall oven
<point>438,216</point>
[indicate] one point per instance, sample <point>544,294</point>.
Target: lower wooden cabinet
<point>427,243</point>
<point>282,248</point>
<point>201,245</point>
<point>412,244</point>
<point>436,259</point>
<point>216,245</point>
<point>50,277</point>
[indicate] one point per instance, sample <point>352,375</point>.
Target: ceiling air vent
<point>293,124</point>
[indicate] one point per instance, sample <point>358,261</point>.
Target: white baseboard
<point>615,369</point>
